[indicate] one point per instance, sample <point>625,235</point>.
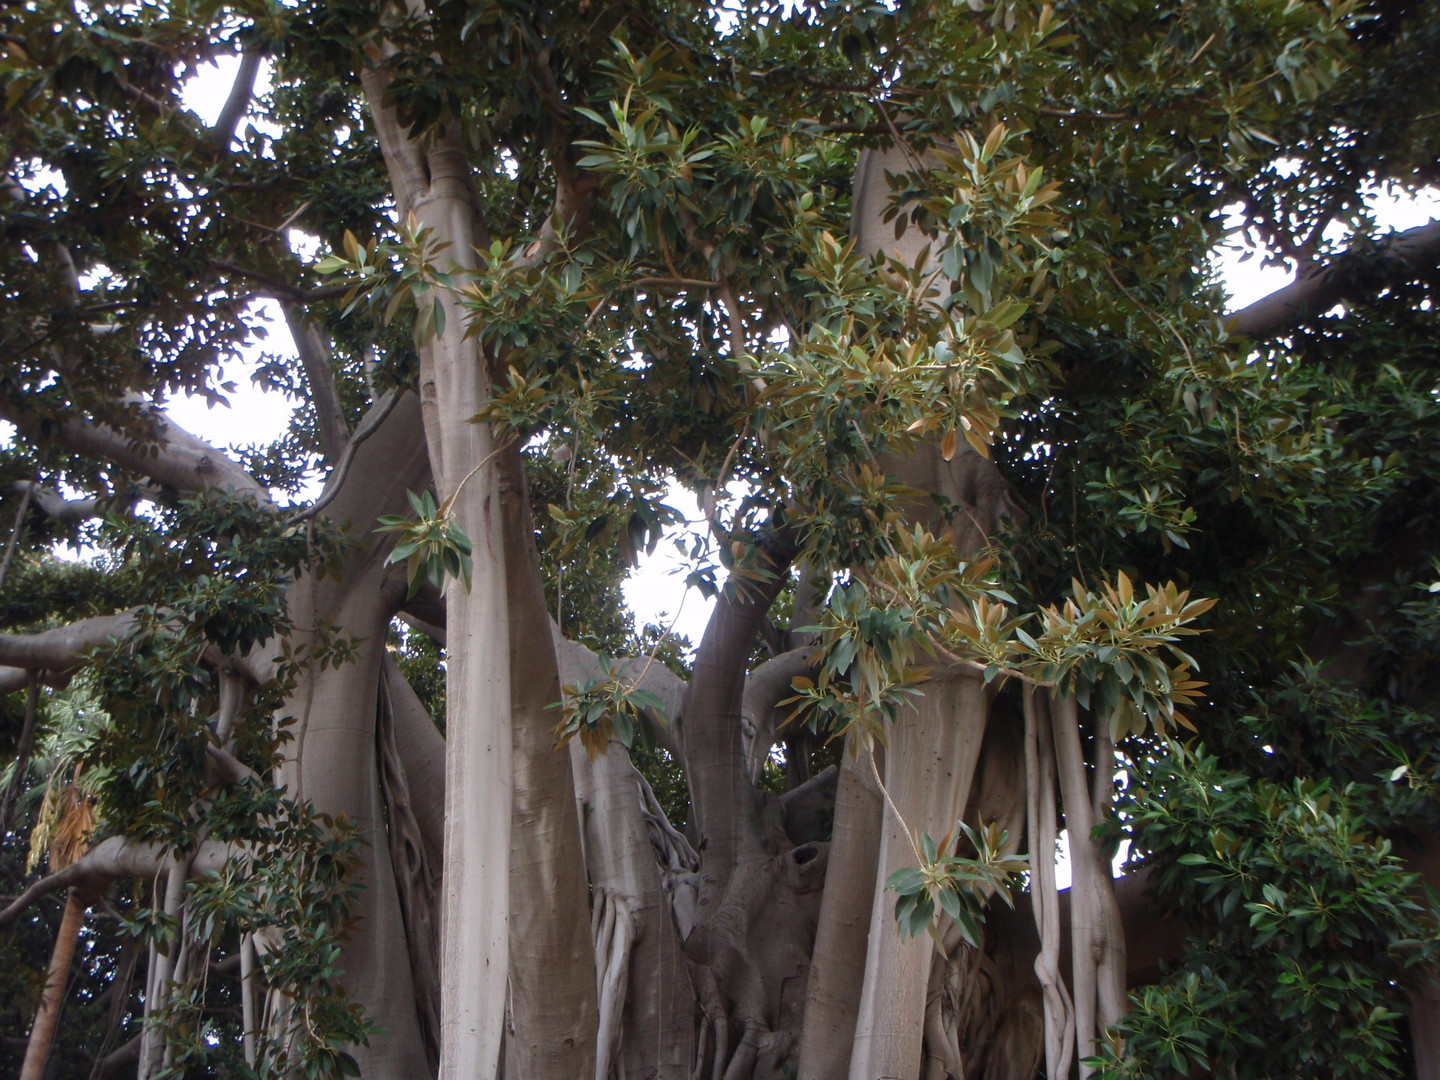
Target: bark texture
<point>929,767</point>
<point>431,180</point>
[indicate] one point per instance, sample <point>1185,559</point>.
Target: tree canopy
<point>1011,526</point>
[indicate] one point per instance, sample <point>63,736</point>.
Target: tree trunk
<point>553,1018</point>
<point>929,767</point>
<point>837,965</point>
<point>431,180</point>
<point>335,762</point>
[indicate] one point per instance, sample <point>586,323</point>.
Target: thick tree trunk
<point>837,965</point>
<point>929,766</point>
<point>335,764</point>
<point>553,1011</point>
<point>432,181</point>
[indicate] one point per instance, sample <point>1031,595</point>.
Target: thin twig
<point>875,772</point>
<point>900,141</point>
<point>505,445</point>
<point>1156,318</point>
<point>22,756</point>
<point>17,530</point>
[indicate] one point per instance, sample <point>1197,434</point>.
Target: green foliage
<point>709,321</point>
<point>433,546</point>
<point>1306,922</point>
<point>612,705</point>
<point>958,885</point>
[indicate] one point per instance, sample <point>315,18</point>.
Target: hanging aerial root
<point>612,927</point>
<point>1097,937</point>
<point>612,970</point>
<point>1044,899</point>
<point>249,1004</point>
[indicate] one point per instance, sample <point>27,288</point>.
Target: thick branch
<point>238,102</point>
<point>765,688</point>
<point>176,458</point>
<point>18,678</point>
<point>55,506</point>
<point>64,648</point>
<point>279,288</point>
<point>112,858</point>
<point>1362,271</point>
<point>716,768</point>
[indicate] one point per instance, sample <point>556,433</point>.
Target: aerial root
<point>613,927</point>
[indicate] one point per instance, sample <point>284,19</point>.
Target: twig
<point>674,283</point>
<point>875,772</point>
<point>22,755</point>
<point>900,141</point>
<point>720,480</point>
<point>17,530</point>
<point>1159,320</point>
<point>505,445</point>
<point>279,288</point>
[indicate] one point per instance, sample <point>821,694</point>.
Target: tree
<point>930,285</point>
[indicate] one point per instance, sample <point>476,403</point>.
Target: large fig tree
<point>340,753</point>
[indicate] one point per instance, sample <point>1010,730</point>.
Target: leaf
<point>948,445</point>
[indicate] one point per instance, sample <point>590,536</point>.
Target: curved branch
<point>277,288</point>
<point>174,457</point>
<point>765,687</point>
<point>716,769</point>
<point>1362,271</point>
<point>315,359</point>
<point>55,506</point>
<point>366,428</point>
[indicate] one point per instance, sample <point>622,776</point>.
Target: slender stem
<point>16,531</point>
<point>22,756</point>
<point>875,772</point>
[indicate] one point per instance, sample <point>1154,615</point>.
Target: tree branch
<point>174,457</point>
<point>112,858</point>
<point>315,359</point>
<point>239,100</point>
<point>278,288</point>
<point>717,771</point>
<point>18,678</point>
<point>1362,271</point>
<point>369,424</point>
<point>764,688</point>
<point>55,506</point>
<point>64,648</point>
